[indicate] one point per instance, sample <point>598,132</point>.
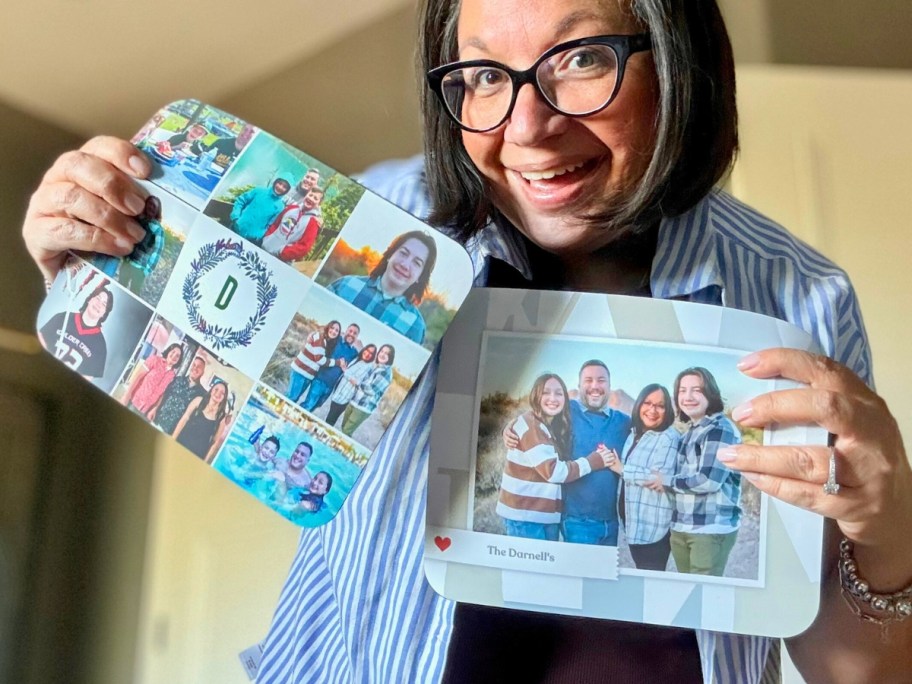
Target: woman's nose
<point>532,120</point>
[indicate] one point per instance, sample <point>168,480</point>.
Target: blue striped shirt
<point>356,606</point>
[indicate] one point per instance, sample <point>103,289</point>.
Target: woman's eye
<point>486,79</point>
<point>593,60</point>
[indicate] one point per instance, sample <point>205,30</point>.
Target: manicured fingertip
<point>134,203</point>
<point>123,244</point>
<point>140,165</point>
<point>136,231</point>
<point>742,412</point>
<point>749,362</point>
<point>727,454</point>
<point>756,479</point>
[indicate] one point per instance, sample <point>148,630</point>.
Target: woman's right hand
<point>86,201</point>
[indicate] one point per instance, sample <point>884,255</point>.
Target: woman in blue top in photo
<point>651,450</point>
<point>592,164</point>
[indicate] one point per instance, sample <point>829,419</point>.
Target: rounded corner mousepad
<point>274,316</point>
<point>502,345</point>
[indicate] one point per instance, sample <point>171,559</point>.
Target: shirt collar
<point>685,265</point>
<point>374,283</point>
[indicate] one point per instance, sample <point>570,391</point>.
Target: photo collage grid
<point>274,316</point>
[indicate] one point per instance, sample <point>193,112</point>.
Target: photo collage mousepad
<point>535,528</point>
<point>274,316</point>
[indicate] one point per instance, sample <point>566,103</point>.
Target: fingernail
<point>755,478</point>
<point>123,244</point>
<point>727,454</point>
<point>742,411</point>
<point>136,231</point>
<point>140,165</point>
<point>748,362</point>
<point>135,203</point>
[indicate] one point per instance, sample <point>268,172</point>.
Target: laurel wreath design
<point>210,256</point>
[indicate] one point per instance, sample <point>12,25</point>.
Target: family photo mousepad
<point>274,316</point>
<point>610,501</point>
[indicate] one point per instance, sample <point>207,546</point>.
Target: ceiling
<point>90,65</point>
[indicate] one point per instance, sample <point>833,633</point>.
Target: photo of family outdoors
<point>285,202</point>
<point>619,444</point>
<point>344,367</point>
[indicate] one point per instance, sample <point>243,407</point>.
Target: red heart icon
<point>443,543</point>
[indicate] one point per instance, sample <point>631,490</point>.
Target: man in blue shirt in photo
<point>590,513</point>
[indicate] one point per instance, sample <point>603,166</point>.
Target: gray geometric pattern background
<point>790,570</point>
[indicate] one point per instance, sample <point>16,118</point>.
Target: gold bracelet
<point>868,605</point>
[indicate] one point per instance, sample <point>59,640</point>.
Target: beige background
<point>140,566</point>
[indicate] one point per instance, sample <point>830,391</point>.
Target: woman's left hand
<point>873,507</point>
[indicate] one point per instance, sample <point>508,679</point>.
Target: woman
<point>651,448</point>
<point>317,349</point>
<point>203,423</point>
<point>617,200</point>
<point>348,384</point>
<point>370,390</point>
<point>154,375</point>
<point>530,492</point>
<point>139,263</point>
<point>707,493</point>
<point>77,338</point>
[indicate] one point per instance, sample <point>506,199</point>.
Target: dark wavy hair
<point>559,426</point>
<point>696,135</point>
<point>637,423</point>
<point>415,292</point>
<point>710,391</point>
<point>330,342</point>
<point>174,345</point>
<point>391,352</point>
<point>109,305</point>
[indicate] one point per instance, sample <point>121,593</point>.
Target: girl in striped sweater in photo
<point>315,353</point>
<point>530,491</point>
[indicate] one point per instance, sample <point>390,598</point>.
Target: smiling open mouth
<point>563,173</point>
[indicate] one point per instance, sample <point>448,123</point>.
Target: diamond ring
<point>831,486</point>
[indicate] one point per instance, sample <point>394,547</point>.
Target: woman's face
<point>333,331</point>
<point>547,170</point>
<point>553,399</point>
<point>691,399</point>
<point>174,357</point>
<point>319,485</point>
<point>268,451</point>
<point>98,305</point>
<point>218,393</point>
<point>367,354</point>
<point>383,356</point>
<point>652,410</point>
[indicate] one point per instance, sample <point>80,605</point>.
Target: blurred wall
<point>84,564</point>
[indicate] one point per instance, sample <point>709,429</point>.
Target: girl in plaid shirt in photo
<point>707,493</point>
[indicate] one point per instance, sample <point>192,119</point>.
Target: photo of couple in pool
<point>618,443</point>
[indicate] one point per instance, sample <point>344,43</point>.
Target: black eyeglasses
<point>576,78</point>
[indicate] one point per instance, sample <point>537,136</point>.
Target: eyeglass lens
<point>576,81</point>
